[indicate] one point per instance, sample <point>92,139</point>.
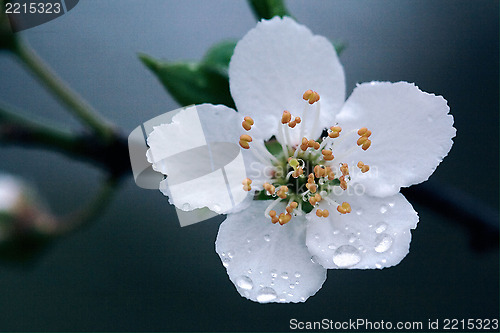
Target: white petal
<point>411,134</point>
<point>199,153</point>
<point>274,64</point>
<point>375,234</point>
<point>268,262</point>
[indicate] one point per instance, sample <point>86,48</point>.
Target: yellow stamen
<point>363,167</point>
<point>247,123</point>
<point>361,140</point>
<point>366,145</point>
<point>319,213</point>
<point>246,137</point>
<point>344,168</point>
<point>244,144</point>
<point>285,119</point>
<point>344,208</point>
<point>284,218</point>
<point>311,96</point>
<point>282,192</point>
<point>326,213</point>
<point>335,131</point>
<point>362,131</point>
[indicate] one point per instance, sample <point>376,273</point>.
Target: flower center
<point>304,174</point>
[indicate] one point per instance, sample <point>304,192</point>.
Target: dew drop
<point>352,238</point>
<point>226,262</point>
<point>292,286</point>
<point>336,232</point>
<point>346,255</point>
<point>274,274</point>
<point>359,212</point>
<point>244,282</point>
<point>383,209</point>
<point>316,236</point>
<point>284,276</point>
<point>230,254</point>
<point>378,265</point>
<point>314,259</point>
<point>266,294</point>
<point>249,271</point>
<point>381,227</point>
<point>267,238</point>
<point>391,204</point>
<point>383,243</point>
<point>297,274</point>
<point>332,247</point>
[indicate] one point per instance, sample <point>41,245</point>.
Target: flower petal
<point>268,262</point>
<point>376,234</point>
<point>411,134</point>
<point>199,153</point>
<point>274,64</point>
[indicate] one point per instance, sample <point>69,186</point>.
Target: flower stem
<point>75,103</point>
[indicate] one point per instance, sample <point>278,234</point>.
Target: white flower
<point>349,213</point>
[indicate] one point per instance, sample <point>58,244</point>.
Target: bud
<point>25,224</point>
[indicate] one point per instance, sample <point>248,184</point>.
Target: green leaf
<point>267,9</point>
<point>193,83</point>
<point>339,46</point>
<point>219,55</point>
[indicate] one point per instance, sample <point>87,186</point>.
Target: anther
<point>344,208</point>
<point>364,168</point>
<point>361,140</point>
<point>327,154</point>
<point>272,213</point>
<point>246,184</point>
<point>335,131</point>
<point>292,124</point>
<point>319,213</point>
<point>366,145</point>
<point>282,192</point>
<point>269,188</point>
<point>244,144</point>
<point>343,183</point>
<point>344,168</point>
<point>284,218</point>
<point>311,96</point>
<point>246,137</point>
<point>247,123</point>
<point>310,143</point>
<point>362,131</point>
<point>316,145</point>
<point>326,213</point>
<point>297,120</point>
<point>285,119</point>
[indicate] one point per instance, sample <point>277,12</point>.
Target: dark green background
<point>135,269</point>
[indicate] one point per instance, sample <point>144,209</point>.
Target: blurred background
<point>135,269</point>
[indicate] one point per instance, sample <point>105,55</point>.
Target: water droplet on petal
<point>230,254</point>
<point>352,238</point>
<point>336,232</point>
<point>346,255</point>
<point>274,274</point>
<point>266,294</point>
<point>332,247</point>
<point>284,276</point>
<point>316,236</point>
<point>383,209</point>
<point>383,243</point>
<point>314,259</point>
<point>244,282</point>
<point>378,265</point>
<point>297,274</point>
<point>267,238</point>
<point>226,262</point>
<point>381,227</point>
<point>391,204</point>
<point>359,212</point>
<point>292,286</point>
